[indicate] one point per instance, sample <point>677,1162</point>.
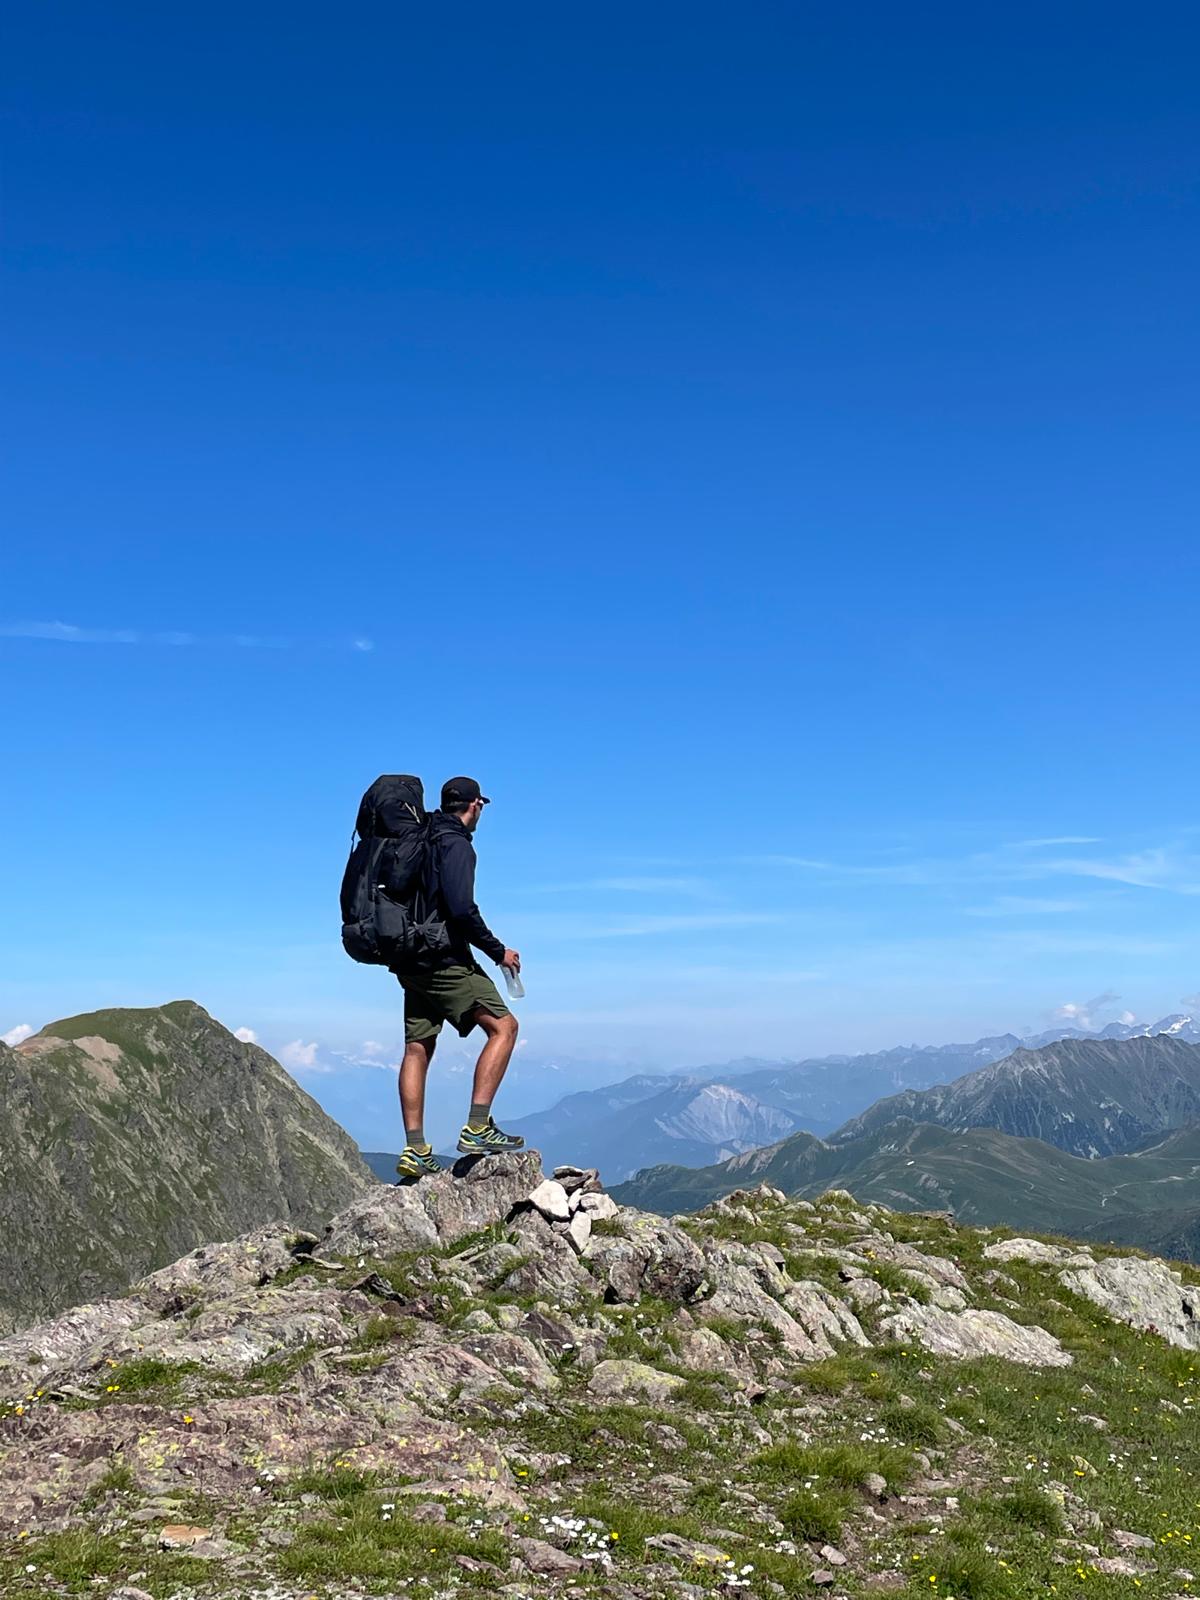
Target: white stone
<point>600,1207</point>
<point>579,1230</point>
<point>550,1199</point>
<point>1031,1250</point>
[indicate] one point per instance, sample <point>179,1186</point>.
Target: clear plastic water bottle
<point>512,982</point>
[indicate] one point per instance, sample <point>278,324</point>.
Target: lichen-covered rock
<point>62,1343</point>
<point>51,1457</point>
<point>650,1256</point>
<point>702,1350</point>
<point>547,1559</point>
<point>470,1196</point>
<point>865,1294</point>
<point>965,1335</point>
<point>906,1256</point>
<point>215,1269</point>
<point>549,1267</point>
<point>517,1358</point>
<point>239,1332</point>
<point>826,1320</point>
<point>1148,1295</point>
<point>632,1380</point>
<point>741,1299</point>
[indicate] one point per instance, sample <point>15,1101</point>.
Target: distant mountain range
<point>129,1137</point>
<point>642,1120</point>
<point>701,1118</point>
<point>1178,1025</point>
<point>1096,1137</point>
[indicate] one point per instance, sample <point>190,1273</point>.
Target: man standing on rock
<point>458,991</point>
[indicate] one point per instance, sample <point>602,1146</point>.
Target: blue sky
<point>760,446</point>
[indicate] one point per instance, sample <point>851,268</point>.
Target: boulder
<point>579,1231</point>
<point>1031,1250</point>
<point>220,1269</point>
<point>517,1358</point>
<point>66,1342</point>
<point>690,1550</point>
<point>631,1381</point>
<point>240,1331</point>
<point>965,1335</point>
<point>649,1256</point>
<point>549,1268</point>
<point>550,1198</point>
<point>826,1320</point>
<point>475,1193</point>
<point>547,1559</point>
<point>705,1351</point>
<point>1148,1295</point>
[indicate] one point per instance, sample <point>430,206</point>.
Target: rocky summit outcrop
<point>128,1137</point>
<point>499,1378</point>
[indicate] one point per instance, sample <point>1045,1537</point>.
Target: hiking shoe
<point>489,1141</point>
<point>413,1164</point>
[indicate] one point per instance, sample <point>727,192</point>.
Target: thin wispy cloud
<point>67,633</point>
<point>14,1036</point>
<point>1019,905</point>
<point>1164,868</point>
<point>1086,944</point>
<point>70,633</point>
<point>638,926</point>
<point>1169,868</point>
<point>1044,844</point>
<point>630,885</point>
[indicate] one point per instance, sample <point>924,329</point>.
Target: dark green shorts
<point>453,995</point>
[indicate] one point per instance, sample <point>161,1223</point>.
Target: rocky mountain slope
<point>622,1129</point>
<point>1092,1097</point>
<point>498,1381</point>
<point>982,1176</point>
<point>127,1137</point>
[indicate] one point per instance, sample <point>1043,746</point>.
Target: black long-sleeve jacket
<point>453,862</point>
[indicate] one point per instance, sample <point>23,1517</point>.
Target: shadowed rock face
<point>128,1137</point>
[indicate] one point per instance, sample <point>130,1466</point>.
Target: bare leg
<point>495,1055</point>
<point>413,1070</point>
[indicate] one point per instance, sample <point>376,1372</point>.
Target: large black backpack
<point>389,910</point>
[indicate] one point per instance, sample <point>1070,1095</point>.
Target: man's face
<point>472,815</point>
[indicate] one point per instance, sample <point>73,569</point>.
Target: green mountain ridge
<point>128,1137</point>
<point>984,1177</point>
<point>1092,1097</point>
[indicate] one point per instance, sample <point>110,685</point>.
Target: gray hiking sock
<point>415,1137</point>
<point>481,1110</point>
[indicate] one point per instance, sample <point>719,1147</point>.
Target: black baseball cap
<point>461,792</point>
